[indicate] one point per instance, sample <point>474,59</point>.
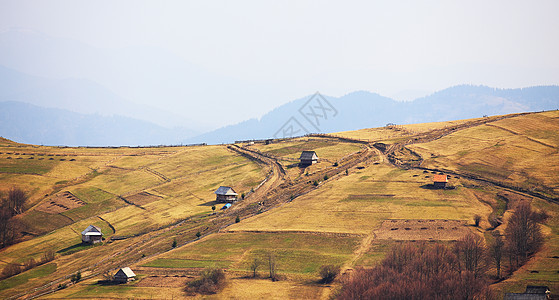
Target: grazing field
<point>520,151</point>
<point>154,206</point>
<point>360,202</point>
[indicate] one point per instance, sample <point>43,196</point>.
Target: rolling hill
<point>368,192</point>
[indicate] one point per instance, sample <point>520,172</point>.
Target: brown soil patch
<point>422,230</point>
<point>143,198</point>
<point>169,281</point>
<point>60,203</point>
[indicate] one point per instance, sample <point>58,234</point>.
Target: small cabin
<point>92,234</point>
<point>225,194</point>
<point>535,292</point>
<point>440,181</point>
<point>308,158</point>
<point>124,275</point>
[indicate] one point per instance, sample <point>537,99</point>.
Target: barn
<point>225,194</point>
<point>308,158</point>
<point>124,275</point>
<point>92,234</point>
<point>440,181</point>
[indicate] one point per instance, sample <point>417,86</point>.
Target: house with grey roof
<point>308,158</point>
<point>92,234</point>
<point>225,194</point>
<point>533,292</point>
<point>124,275</point>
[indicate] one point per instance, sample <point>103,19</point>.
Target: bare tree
<point>254,266</point>
<point>16,200</point>
<point>471,253</point>
<point>496,251</point>
<point>272,266</point>
<point>523,233</point>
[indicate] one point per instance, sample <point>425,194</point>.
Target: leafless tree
<point>523,233</point>
<point>272,266</point>
<point>254,266</point>
<point>496,251</point>
<point>471,253</point>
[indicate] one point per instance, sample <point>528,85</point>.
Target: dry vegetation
<point>145,199</point>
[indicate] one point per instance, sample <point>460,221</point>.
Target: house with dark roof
<point>440,181</point>
<point>308,158</point>
<point>225,194</point>
<point>92,234</point>
<point>124,275</point>
<point>533,292</point>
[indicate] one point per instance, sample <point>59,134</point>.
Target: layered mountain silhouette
<point>365,110</point>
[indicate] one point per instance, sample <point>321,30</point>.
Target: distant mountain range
<point>316,113</point>
<point>34,124</point>
<point>30,124</point>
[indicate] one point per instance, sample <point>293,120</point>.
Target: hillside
<point>367,192</point>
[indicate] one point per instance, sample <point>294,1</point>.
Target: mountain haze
<point>364,109</point>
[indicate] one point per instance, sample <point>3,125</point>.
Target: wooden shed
<point>92,234</point>
<point>124,275</point>
<point>225,194</point>
<point>308,158</point>
<point>440,181</point>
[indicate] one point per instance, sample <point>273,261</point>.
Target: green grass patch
<point>187,263</point>
<point>22,278</point>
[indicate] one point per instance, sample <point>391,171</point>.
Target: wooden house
<point>124,275</point>
<point>533,292</point>
<point>92,234</point>
<point>440,181</point>
<point>225,194</point>
<point>308,158</point>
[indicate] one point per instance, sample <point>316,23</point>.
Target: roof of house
<point>308,155</point>
<point>440,178</point>
<point>524,296</point>
<point>536,289</point>
<point>125,272</point>
<point>92,230</point>
<point>226,191</point>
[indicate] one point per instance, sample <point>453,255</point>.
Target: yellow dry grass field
<point>142,198</point>
<point>360,202</point>
<point>394,132</point>
<point>521,151</point>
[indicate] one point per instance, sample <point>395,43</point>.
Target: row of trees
<point>436,271</point>
<point>11,205</point>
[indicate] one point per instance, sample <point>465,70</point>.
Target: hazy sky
<point>295,48</point>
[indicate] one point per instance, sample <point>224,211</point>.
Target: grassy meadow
<point>145,198</point>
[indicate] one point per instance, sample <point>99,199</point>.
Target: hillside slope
<point>304,217</point>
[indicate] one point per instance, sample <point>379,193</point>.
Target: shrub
<point>76,277</point>
<point>326,177</point>
<point>477,219</point>
<point>174,245</point>
<point>47,256</point>
<point>198,234</point>
<point>328,273</point>
<point>335,164</point>
<point>315,183</point>
<point>30,264</point>
<point>10,270</point>
<point>213,207</point>
<point>211,280</point>
<point>237,220</point>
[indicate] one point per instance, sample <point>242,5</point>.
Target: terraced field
<point>369,191</point>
